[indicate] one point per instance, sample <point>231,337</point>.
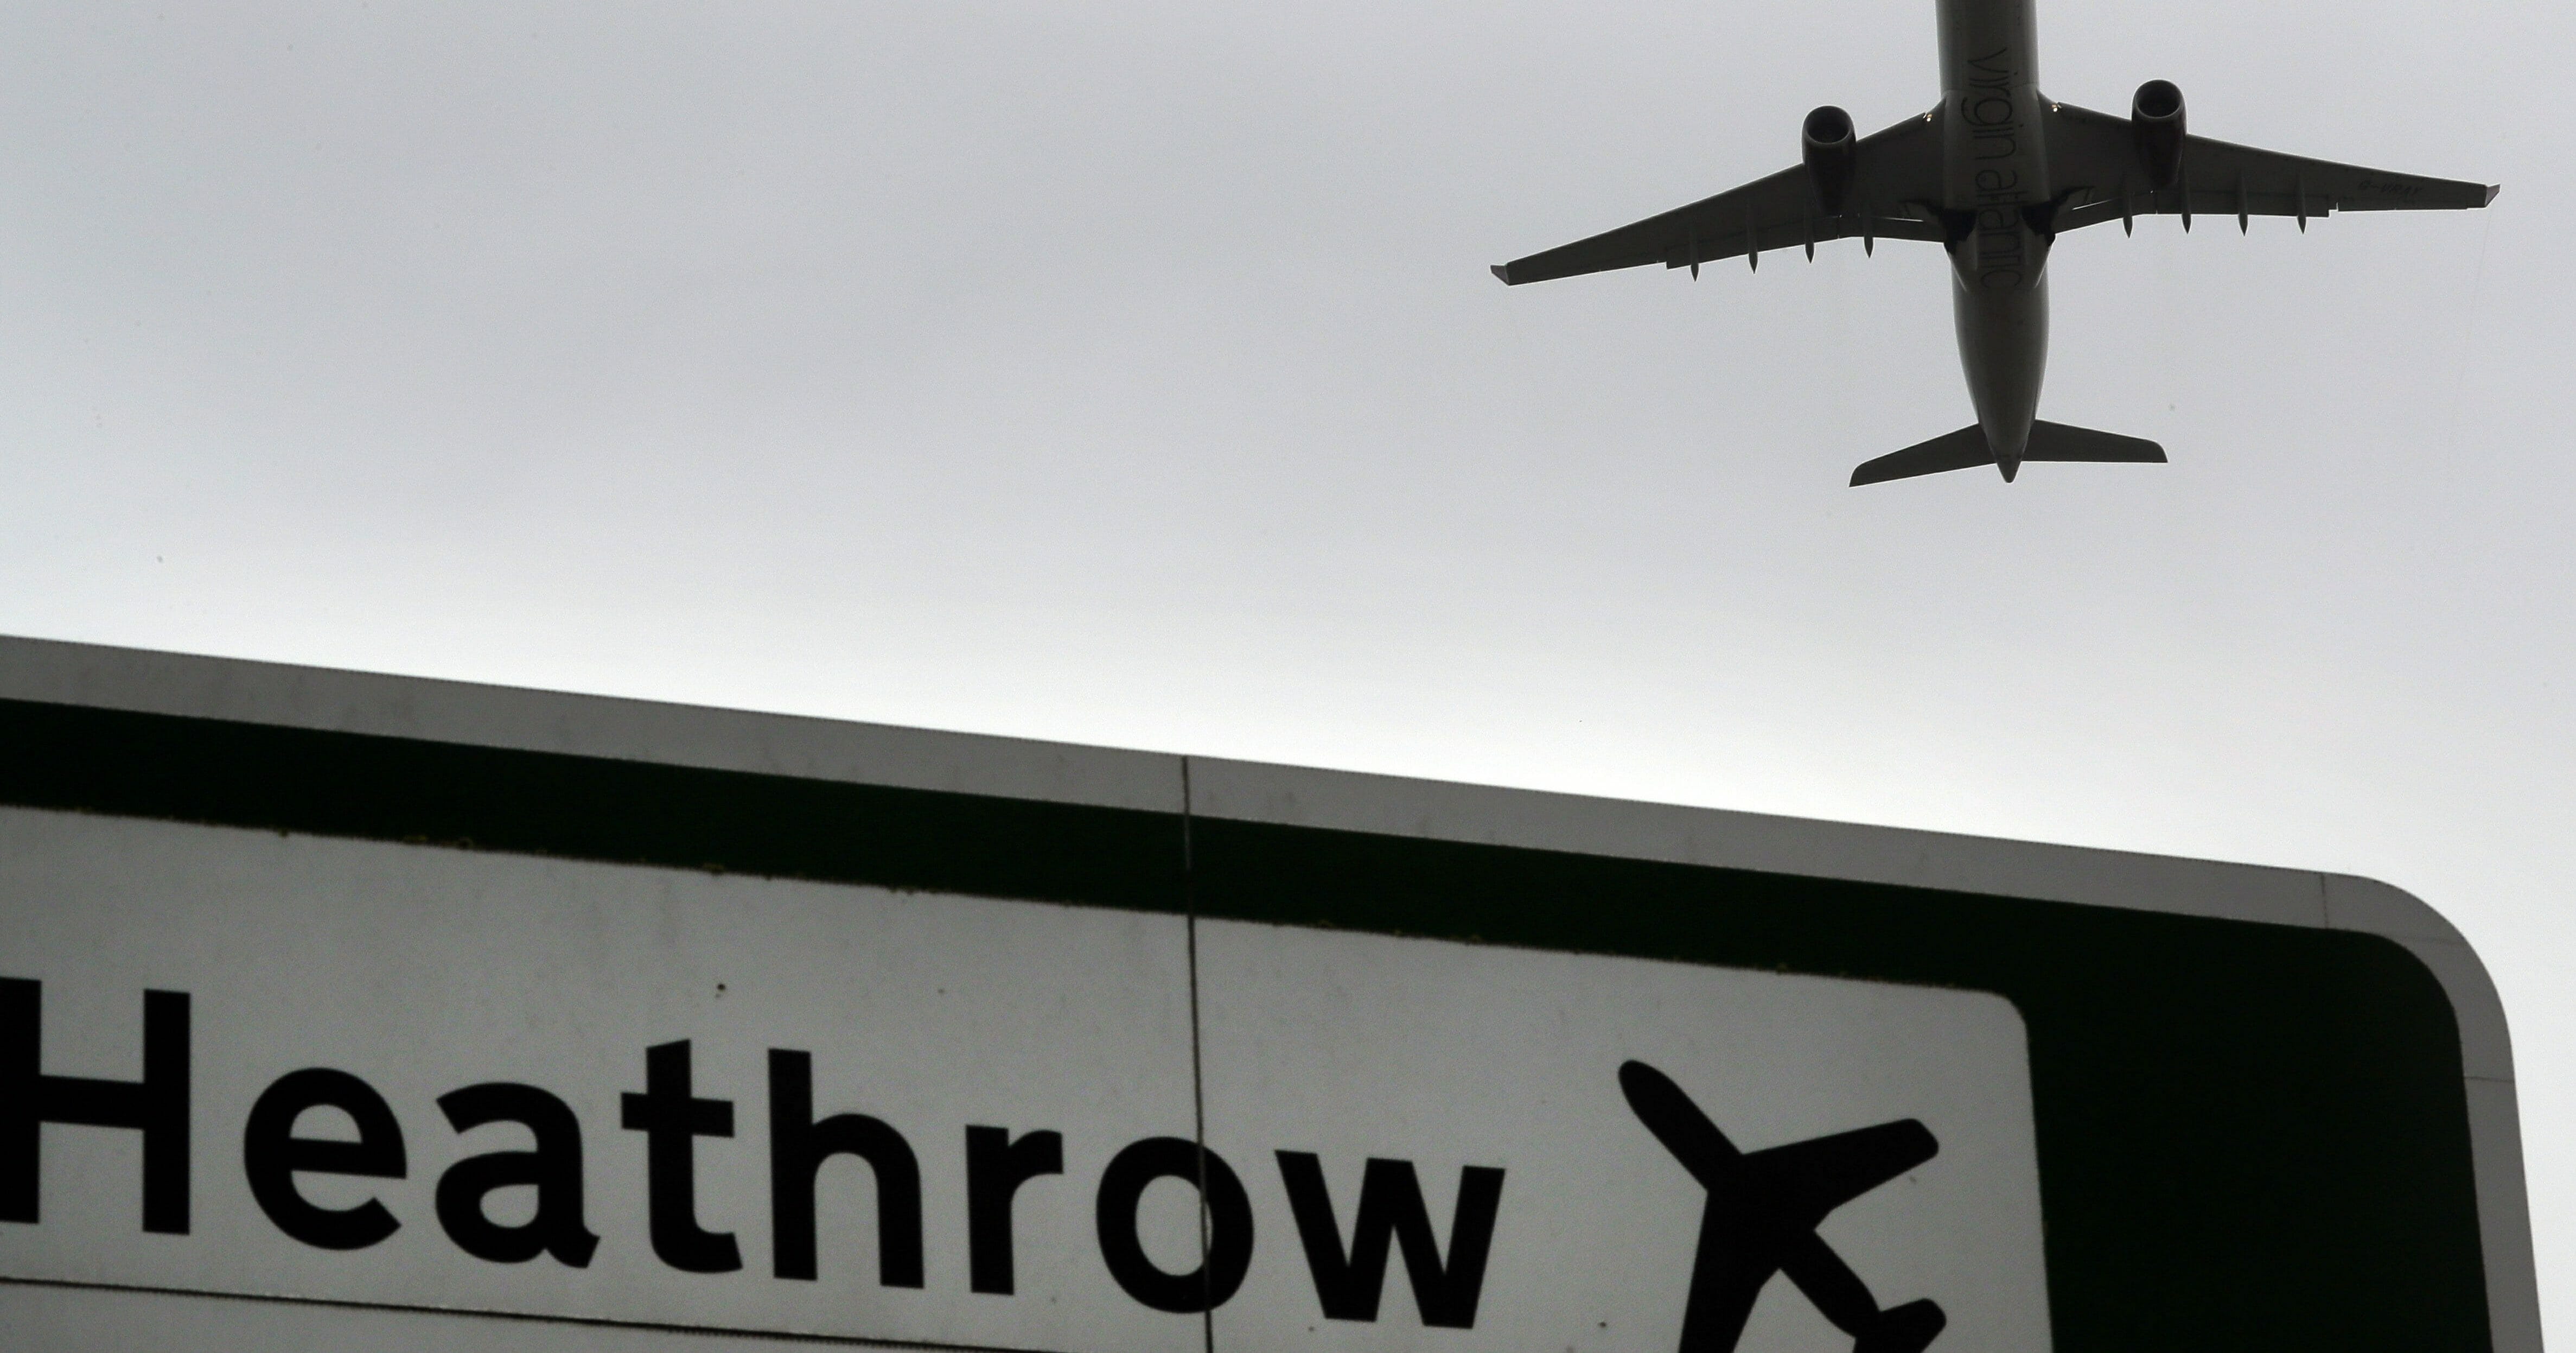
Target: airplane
<point>1762,1214</point>
<point>1994,175</point>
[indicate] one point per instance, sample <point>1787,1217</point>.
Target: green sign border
<point>2251,1136</point>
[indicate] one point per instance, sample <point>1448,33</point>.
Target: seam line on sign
<point>1198,1080</point>
<point>525,1317</point>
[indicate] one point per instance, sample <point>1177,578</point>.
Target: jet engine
<point>1826,139</point>
<point>2155,124</point>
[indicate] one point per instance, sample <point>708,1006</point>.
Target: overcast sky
<point>1131,374</point>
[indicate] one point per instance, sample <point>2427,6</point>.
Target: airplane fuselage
<point>1994,183</point>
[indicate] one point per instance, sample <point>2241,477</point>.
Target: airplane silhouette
<point>1762,1214</point>
<point>1994,174</point>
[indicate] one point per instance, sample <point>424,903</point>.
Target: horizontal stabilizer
<point>1966,449</point>
<point>2057,441</point>
<point>1960,450</point>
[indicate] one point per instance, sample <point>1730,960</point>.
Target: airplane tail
<point>1967,448</point>
<point>1909,1328</point>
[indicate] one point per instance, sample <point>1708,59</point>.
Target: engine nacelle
<point>2155,125</point>
<point>1830,152</point>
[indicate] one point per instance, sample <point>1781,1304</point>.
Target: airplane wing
<point>1804,1181</point>
<point>1891,172</point>
<point>2094,164</point>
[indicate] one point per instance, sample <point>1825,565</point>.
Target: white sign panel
<point>281,1066</point>
<point>1548,1069</point>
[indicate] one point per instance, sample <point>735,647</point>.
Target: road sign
<point>340,1008</point>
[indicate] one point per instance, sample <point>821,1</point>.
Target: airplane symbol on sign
<point>1762,1214</point>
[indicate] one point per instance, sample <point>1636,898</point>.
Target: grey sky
<point>1132,375</point>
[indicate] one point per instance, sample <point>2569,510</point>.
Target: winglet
<point>1504,271</point>
<point>2492,190</point>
